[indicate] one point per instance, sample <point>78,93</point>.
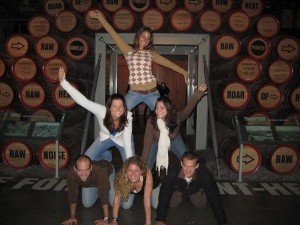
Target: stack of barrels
<point>254,69</point>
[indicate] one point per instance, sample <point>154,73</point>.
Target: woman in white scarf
<point>162,130</point>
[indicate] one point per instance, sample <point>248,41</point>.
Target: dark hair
<point>82,158</point>
<point>136,44</point>
<point>171,117</point>
<point>108,121</point>
<point>190,155</point>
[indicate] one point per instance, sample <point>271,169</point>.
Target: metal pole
<point>241,150</point>
<point>211,116</point>
<point>57,145</point>
<point>88,115</point>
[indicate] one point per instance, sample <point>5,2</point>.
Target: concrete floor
<point>34,197</point>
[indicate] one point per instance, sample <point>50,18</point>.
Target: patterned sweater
<point>140,62</point>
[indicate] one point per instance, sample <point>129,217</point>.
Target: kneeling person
<point>96,179</point>
<point>193,178</point>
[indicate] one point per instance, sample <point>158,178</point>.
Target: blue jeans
<point>133,99</point>
<point>90,194</point>
<point>99,150</point>
<point>154,199</point>
<point>177,147</point>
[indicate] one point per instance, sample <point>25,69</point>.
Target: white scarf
<point>162,157</point>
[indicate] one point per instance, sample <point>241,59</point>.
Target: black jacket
<point>202,179</point>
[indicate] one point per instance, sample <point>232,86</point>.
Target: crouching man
<point>193,178</point>
<point>96,180</point>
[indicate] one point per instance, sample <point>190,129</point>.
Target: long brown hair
<point>108,121</point>
<point>136,44</point>
<point>122,183</point>
<point>171,117</point>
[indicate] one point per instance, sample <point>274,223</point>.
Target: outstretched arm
<point>122,45</point>
<point>198,94</point>
<point>157,58</point>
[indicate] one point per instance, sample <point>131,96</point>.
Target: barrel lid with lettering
<point>269,96</point>
<point>284,159</point>
<point>238,21</point>
<point>294,98</point>
<point>39,26</point>
<point>6,95</point>
<point>236,95</point>
<point>17,154</point>
<point>251,159</point>
<point>153,18</point>
<point>268,26</point>
<point>288,48</point>
<point>222,6</point>
<point>227,46</point>
<point>258,47</point>
<point>67,21</point>
<point>47,47</point>
<point>51,67</point>
<point>167,5</point>
<point>252,7</point>
<point>112,6</point>
<point>52,7</point>
<point>181,19</point>
<point>78,47</point>
<point>61,98</point>
<point>81,6</point>
<point>32,95</point>
<point>139,6</point>
<point>18,45</point>
<point>210,20</point>
<point>124,19</point>
<point>42,115</point>
<point>47,155</point>
<point>280,71</point>
<point>24,69</point>
<point>90,23</point>
<point>194,6</point>
<point>248,69</point>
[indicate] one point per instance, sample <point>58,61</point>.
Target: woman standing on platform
<point>162,130</point>
<point>139,57</point>
<point>114,120</point>
<point>135,178</point>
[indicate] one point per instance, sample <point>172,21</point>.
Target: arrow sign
<point>246,159</point>
<point>274,96</point>
<point>5,94</point>
<point>288,48</point>
<point>18,45</point>
<point>195,2</point>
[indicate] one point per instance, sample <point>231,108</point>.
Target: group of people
<point>93,172</point>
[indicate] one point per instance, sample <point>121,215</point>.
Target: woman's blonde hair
<point>122,183</point>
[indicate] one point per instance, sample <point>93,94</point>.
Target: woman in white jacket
<point>114,120</point>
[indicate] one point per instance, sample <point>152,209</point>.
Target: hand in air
<point>94,14</point>
<point>203,87</point>
<point>61,74</point>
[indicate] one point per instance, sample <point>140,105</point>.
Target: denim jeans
<point>99,150</point>
<point>177,147</point>
<point>133,99</point>
<point>154,199</point>
<point>90,194</point>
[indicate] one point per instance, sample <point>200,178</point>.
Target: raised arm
<point>122,45</point>
<point>79,98</point>
<point>198,94</point>
<point>157,58</point>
